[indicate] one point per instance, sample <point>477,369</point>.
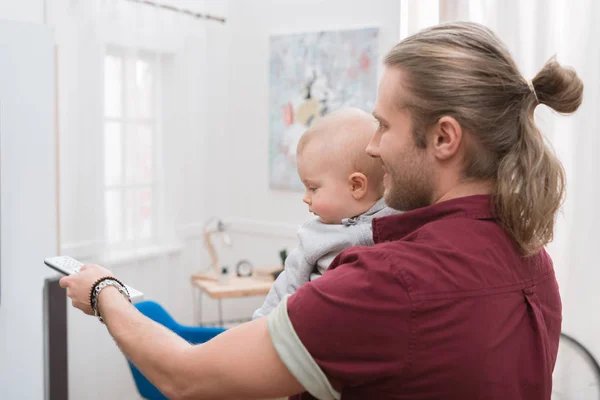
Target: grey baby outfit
<point>319,245</point>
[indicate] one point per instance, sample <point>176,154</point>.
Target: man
<point>456,300</point>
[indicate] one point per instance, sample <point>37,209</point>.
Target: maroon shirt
<point>442,307</point>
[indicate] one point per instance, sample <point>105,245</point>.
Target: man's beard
<point>409,186</point>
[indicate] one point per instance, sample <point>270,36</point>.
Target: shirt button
<point>529,290</point>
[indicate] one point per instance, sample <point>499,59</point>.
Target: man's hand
<point>79,285</point>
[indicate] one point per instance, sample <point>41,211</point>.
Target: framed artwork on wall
<point>311,75</point>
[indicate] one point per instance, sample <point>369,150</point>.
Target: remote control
<point>67,266</point>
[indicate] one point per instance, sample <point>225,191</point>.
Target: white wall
<point>22,10</point>
<point>239,141</point>
<point>28,202</point>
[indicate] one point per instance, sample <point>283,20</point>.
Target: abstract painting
<point>311,75</point>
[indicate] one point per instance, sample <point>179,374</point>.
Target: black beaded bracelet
<point>102,284</point>
<point>92,300</point>
<point>93,289</point>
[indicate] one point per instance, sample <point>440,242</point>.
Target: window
<point>130,131</point>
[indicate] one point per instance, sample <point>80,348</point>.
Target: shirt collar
<point>395,227</point>
<point>377,207</point>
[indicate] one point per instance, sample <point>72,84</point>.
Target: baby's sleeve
<point>296,273</point>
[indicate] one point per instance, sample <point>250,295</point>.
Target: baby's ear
<point>358,185</point>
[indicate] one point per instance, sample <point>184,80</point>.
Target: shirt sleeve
<point>354,323</point>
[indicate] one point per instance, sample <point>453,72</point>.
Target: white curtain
<point>131,109</point>
<point>535,30</point>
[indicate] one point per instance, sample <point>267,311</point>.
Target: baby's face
<point>328,191</point>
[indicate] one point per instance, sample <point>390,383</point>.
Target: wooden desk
<point>236,287</point>
<point>257,285</point>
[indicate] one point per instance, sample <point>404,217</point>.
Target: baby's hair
<point>343,137</point>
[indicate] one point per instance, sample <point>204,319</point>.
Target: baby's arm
<point>319,245</point>
<point>296,273</point>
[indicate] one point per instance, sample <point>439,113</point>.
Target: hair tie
<point>532,89</point>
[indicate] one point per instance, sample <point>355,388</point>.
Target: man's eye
<point>313,189</point>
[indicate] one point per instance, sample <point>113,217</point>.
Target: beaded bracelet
<point>92,296</point>
<point>101,284</point>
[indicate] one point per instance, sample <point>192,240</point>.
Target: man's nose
<point>373,148</point>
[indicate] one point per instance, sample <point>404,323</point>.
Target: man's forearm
<point>241,363</point>
<point>154,350</point>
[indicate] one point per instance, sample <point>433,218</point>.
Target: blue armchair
<point>193,334</point>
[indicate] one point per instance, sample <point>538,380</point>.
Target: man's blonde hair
<point>343,136</point>
<point>464,71</point>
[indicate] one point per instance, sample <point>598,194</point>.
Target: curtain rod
<point>180,10</point>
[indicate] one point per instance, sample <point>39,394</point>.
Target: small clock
<point>244,268</point>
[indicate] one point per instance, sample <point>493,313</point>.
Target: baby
<point>344,189</point>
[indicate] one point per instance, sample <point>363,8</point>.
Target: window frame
<point>128,124</point>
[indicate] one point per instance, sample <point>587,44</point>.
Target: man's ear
<point>447,136</point>
<point>358,185</point>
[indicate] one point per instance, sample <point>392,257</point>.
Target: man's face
<point>409,170</point>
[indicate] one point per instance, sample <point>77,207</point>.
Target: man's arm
<point>240,363</point>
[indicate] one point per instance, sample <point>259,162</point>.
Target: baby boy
<point>344,189</point>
